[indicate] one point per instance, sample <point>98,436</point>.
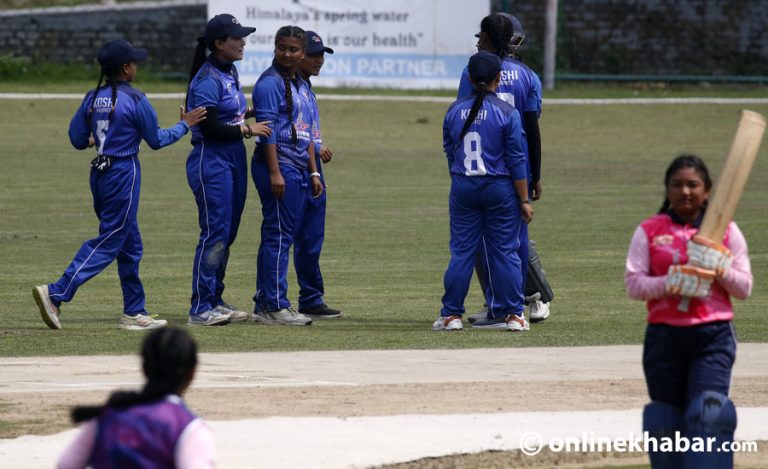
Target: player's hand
<point>91,141</point>
<point>536,190</point>
<point>526,211</point>
<point>277,183</point>
<point>325,154</point>
<point>707,254</point>
<point>690,281</point>
<point>193,117</point>
<point>317,186</point>
<point>261,129</point>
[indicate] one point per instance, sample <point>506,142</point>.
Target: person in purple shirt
<point>151,428</point>
<point>285,173</point>
<point>488,200</point>
<point>114,118</point>
<point>217,167</point>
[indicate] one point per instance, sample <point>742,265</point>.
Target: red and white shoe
<point>451,323</point>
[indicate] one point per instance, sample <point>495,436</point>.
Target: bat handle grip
<point>683,305</point>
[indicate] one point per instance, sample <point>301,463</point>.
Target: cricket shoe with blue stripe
<point>208,318</point>
<point>235,315</point>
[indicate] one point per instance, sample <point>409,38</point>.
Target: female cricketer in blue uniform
<point>115,118</point>
<point>284,171</point>
<point>488,200</point>
<point>217,168</point>
<point>309,238</point>
<point>501,34</point>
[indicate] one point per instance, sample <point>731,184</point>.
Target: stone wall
<point>656,37</point>
<point>73,35</point>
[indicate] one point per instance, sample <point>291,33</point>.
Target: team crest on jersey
<point>663,240</point>
<point>300,125</point>
<point>315,131</point>
<point>229,87</point>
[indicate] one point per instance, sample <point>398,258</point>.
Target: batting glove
<point>690,281</point>
<point>707,254</point>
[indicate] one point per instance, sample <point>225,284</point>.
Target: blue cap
<point>484,66</point>
<point>114,54</point>
<point>315,44</point>
<point>224,25</point>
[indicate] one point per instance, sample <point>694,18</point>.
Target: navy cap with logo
<point>114,54</point>
<point>484,66</point>
<point>224,25</point>
<point>315,44</point>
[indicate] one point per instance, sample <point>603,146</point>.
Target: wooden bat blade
<point>733,177</point>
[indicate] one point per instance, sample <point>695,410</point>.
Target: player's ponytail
<point>169,361</point>
<point>300,34</point>
<point>89,114</point>
<point>685,161</point>
<point>481,89</point>
<point>198,59</point>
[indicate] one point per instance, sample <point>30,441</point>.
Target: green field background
<point>386,242</point>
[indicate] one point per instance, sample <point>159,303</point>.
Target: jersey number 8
<point>473,155</point>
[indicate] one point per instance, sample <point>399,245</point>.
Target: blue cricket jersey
<point>493,144</point>
<point>519,86</point>
<point>315,135</point>
<point>217,85</point>
<point>134,119</point>
<point>270,105</point>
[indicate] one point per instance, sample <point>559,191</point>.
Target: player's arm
<point>533,137</point>
<point>738,281</point>
<point>639,283</point>
<point>531,114</point>
<point>79,131</point>
<point>207,94</point>
<point>77,454</point>
<point>515,161</point>
<point>314,176</point>
<point>156,137</point>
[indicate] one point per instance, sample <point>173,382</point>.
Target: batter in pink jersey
<point>688,355</point>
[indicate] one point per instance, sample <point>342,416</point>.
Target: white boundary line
<point>435,99</point>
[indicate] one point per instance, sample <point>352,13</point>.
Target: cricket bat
<point>733,178</point>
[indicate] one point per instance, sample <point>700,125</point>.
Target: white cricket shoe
<point>48,311</point>
<point>517,323</point>
<point>235,315</point>
<point>450,323</point>
<point>141,322</point>
<point>539,311</point>
<point>284,317</point>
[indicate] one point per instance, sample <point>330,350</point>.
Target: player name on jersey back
<point>481,115</point>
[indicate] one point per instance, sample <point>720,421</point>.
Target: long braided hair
<point>685,161</point>
<point>499,30</point>
<point>169,356</point>
<point>111,81</point>
<point>300,34</point>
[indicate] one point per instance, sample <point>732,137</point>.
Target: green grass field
<point>387,230</point>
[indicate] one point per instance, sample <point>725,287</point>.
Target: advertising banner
<point>377,43</point>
